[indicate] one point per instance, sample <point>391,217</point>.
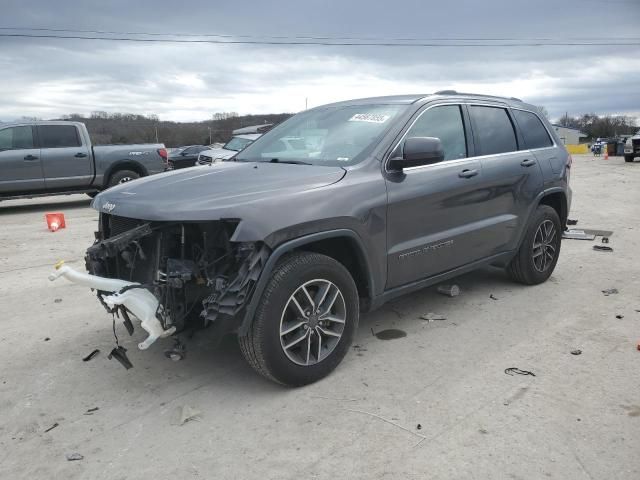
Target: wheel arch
<point>343,245</point>
<point>557,200</point>
<point>125,164</point>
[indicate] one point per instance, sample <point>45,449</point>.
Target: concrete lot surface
<point>434,404</point>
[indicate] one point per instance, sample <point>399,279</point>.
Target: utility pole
<point>210,142</point>
<point>157,141</point>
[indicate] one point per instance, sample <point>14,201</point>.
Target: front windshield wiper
<point>294,162</point>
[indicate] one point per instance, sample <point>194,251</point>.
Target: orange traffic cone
<point>55,221</point>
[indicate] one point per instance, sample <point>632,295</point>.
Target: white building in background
<point>568,135</point>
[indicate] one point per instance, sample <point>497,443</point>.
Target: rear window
<point>533,131</point>
<point>16,138</point>
<point>58,136</point>
<point>492,130</point>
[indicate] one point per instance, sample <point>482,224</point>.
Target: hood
<point>219,153</point>
<point>212,192</point>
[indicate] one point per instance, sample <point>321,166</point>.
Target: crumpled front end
<point>189,274</point>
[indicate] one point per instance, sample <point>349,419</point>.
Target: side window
<point>533,131</point>
<point>445,123</point>
<point>16,138</point>
<point>58,136</point>
<point>492,130</point>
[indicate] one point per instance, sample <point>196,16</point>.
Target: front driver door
<point>434,213</point>
<point>20,163</point>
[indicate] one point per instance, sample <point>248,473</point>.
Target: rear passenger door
<point>537,139</point>
<point>66,161</point>
<point>511,173</point>
<point>20,164</point>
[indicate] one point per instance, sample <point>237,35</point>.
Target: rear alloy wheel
<point>538,253</point>
<point>122,176</point>
<point>305,320</point>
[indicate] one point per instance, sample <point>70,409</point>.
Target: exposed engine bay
<point>195,272</point>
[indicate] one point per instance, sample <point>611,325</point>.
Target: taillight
<point>163,153</point>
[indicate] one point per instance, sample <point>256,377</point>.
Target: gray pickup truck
<point>56,157</point>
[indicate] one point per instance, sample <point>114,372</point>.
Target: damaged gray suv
<point>286,247</point>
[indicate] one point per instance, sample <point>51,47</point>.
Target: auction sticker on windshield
<point>369,117</point>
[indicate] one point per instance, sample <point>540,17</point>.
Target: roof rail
<point>445,92</point>
<point>515,98</point>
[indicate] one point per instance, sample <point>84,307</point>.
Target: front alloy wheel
<point>312,322</point>
<point>305,321</point>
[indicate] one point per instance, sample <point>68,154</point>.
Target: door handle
<point>466,173</point>
<point>80,155</point>
<point>30,158</point>
<point>527,163</point>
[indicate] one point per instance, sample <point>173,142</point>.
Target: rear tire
<point>540,248</point>
<point>285,317</point>
<point>122,176</point>
<point>628,158</point>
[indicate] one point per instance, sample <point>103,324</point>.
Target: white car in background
<point>228,150</point>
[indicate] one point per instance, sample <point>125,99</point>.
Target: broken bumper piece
<point>130,295</point>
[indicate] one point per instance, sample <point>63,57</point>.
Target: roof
<point>409,99</point>
<point>580,132</point>
<point>262,128</point>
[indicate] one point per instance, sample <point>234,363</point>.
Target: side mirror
<point>418,151</point>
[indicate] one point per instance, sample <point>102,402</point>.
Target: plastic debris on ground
<point>120,354</point>
<point>602,248</point>
<point>576,352</point>
<point>573,234</point>
<point>91,355</point>
<point>52,427</point>
<point>185,414</point>
<point>431,317</point>
<point>517,371</point>
<point>609,291</point>
<point>493,297</point>
<point>178,352</point>
<point>74,456</point>
<point>449,290</point>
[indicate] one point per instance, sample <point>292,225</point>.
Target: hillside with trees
<point>106,128</point>
<point>600,126</point>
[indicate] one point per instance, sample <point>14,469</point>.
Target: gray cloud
<point>46,77</point>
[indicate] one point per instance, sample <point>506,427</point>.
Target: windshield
<point>341,135</point>
<point>236,144</point>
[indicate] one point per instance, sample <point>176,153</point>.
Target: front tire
<point>540,248</point>
<point>305,320</point>
<point>122,176</point>
<point>628,158</point>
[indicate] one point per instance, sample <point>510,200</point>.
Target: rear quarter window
<point>492,129</point>
<point>533,131</point>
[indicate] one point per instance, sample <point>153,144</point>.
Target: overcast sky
<point>49,77</point>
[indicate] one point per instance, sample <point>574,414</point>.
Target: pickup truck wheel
<point>122,176</point>
<point>628,158</point>
<point>538,253</point>
<point>305,320</point>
